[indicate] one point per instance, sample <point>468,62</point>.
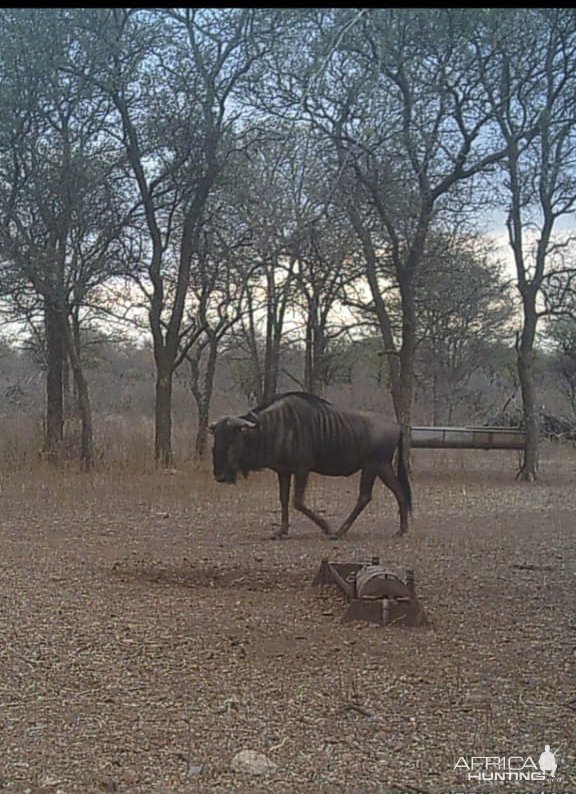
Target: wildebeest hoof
<point>278,535</point>
<point>400,533</point>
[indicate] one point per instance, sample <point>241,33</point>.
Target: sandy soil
<point>149,631</point>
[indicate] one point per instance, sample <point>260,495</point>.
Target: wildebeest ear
<point>212,427</point>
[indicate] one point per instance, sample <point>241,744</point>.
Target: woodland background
<point>200,208</point>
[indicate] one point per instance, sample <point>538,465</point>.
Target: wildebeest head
<point>230,447</point>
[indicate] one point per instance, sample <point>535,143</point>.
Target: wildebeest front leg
<point>284,491</point>
<point>300,481</point>
<point>364,496</point>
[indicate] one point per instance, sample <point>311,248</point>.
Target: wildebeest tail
<point>403,470</point>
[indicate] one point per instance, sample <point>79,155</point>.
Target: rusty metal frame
<point>399,606</point>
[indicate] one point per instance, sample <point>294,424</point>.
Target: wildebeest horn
<point>240,421</point>
<point>234,421</point>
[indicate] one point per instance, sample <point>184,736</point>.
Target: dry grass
<point>121,441</point>
<point>20,441</point>
<point>148,629</point>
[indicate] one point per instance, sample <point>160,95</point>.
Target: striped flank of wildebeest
<point>298,433</point>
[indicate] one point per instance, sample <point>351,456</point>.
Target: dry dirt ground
<point>149,631</point>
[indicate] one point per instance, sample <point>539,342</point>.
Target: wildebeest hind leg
<point>364,496</point>
<point>389,478</point>
<point>300,481</point>
<point>284,492</point>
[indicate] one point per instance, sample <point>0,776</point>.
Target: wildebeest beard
<point>246,464</point>
<point>234,476</point>
<point>242,466</point>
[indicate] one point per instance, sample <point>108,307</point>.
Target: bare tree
<point>402,103</point>
<point>264,205</point>
<point>62,217</point>
<point>321,242</point>
<point>530,81</point>
<point>562,332</point>
<point>321,277</point>
<point>173,77</point>
<point>216,299</point>
<point>463,309</point>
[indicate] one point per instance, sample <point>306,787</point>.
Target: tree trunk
<point>163,416</point>
<point>203,398</point>
<point>315,364</point>
<point>382,316</point>
<point>403,385</point>
<point>74,408</point>
<point>312,374</point>
<point>82,395</point>
<point>54,434</point>
<point>270,373</point>
<point>201,433</point>
<point>525,362</point>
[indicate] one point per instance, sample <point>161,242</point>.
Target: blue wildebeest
<point>297,433</point>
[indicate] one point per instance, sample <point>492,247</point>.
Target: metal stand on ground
<point>374,594</point>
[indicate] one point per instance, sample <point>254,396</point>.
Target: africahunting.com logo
<point>509,768</point>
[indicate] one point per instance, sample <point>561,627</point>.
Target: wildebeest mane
<point>312,399</point>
